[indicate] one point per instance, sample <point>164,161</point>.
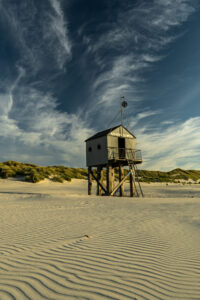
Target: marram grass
<point>34,173</point>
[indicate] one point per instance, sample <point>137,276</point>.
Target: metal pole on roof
<point>120,113</point>
<point>123,105</point>
<point>121,109</point>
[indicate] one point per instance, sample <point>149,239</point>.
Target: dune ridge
<point>56,244</point>
<point>33,173</point>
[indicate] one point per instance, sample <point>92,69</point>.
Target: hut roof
<point>106,132</point>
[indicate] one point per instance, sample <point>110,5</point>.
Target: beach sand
<point>59,243</point>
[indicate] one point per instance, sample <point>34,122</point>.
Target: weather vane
<point>124,104</point>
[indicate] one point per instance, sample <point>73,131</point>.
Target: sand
<point>59,243</point>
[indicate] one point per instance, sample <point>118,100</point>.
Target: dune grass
<point>34,173</point>
<point>176,176</point>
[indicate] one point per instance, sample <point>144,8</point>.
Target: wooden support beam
<point>119,184</point>
<point>121,176</point>
<point>89,180</point>
<point>132,179</point>
<point>101,184</point>
<point>100,180</point>
<point>140,188</point>
<point>135,191</point>
<point>110,179</point>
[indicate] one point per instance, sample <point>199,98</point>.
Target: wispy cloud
<point>140,116</point>
<point>34,125</point>
<point>168,122</point>
<point>143,29</point>
<point>176,146</point>
<point>59,28</point>
<point>40,34</point>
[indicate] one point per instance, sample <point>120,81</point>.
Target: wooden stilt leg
<point>121,176</point>
<point>89,181</point>
<point>100,179</point>
<point>132,184</point>
<point>110,179</point>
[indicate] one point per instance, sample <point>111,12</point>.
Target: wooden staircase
<point>137,186</point>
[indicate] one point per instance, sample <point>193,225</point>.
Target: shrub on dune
<point>34,173</point>
<point>58,179</point>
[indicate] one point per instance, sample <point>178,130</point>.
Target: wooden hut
<point>113,148</point>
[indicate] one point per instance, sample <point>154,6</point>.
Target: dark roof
<point>105,132</point>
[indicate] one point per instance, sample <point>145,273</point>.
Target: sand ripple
<point>67,248</point>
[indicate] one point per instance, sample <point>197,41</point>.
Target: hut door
<point>121,147</point>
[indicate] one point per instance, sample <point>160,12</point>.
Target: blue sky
<point>65,65</point>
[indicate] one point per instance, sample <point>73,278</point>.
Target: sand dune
<point>58,243</point>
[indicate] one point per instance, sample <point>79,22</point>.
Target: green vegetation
<point>176,175</point>
<point>58,179</point>
<point>34,173</point>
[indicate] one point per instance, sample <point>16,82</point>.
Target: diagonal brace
<point>101,185</point>
<point>119,184</point>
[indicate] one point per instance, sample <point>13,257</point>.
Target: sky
<point>66,63</point>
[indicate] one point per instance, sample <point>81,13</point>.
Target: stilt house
<point>112,148</point>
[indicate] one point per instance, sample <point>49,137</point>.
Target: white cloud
<point>118,81</point>
<point>59,28</point>
<point>167,122</point>
<point>36,126</point>
<point>176,146</point>
<point>32,127</point>
<point>144,30</point>
<point>142,115</point>
<point>147,113</point>
<point>41,35</point>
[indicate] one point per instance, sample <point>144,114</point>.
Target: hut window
<point>90,149</point>
<point>98,146</point>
